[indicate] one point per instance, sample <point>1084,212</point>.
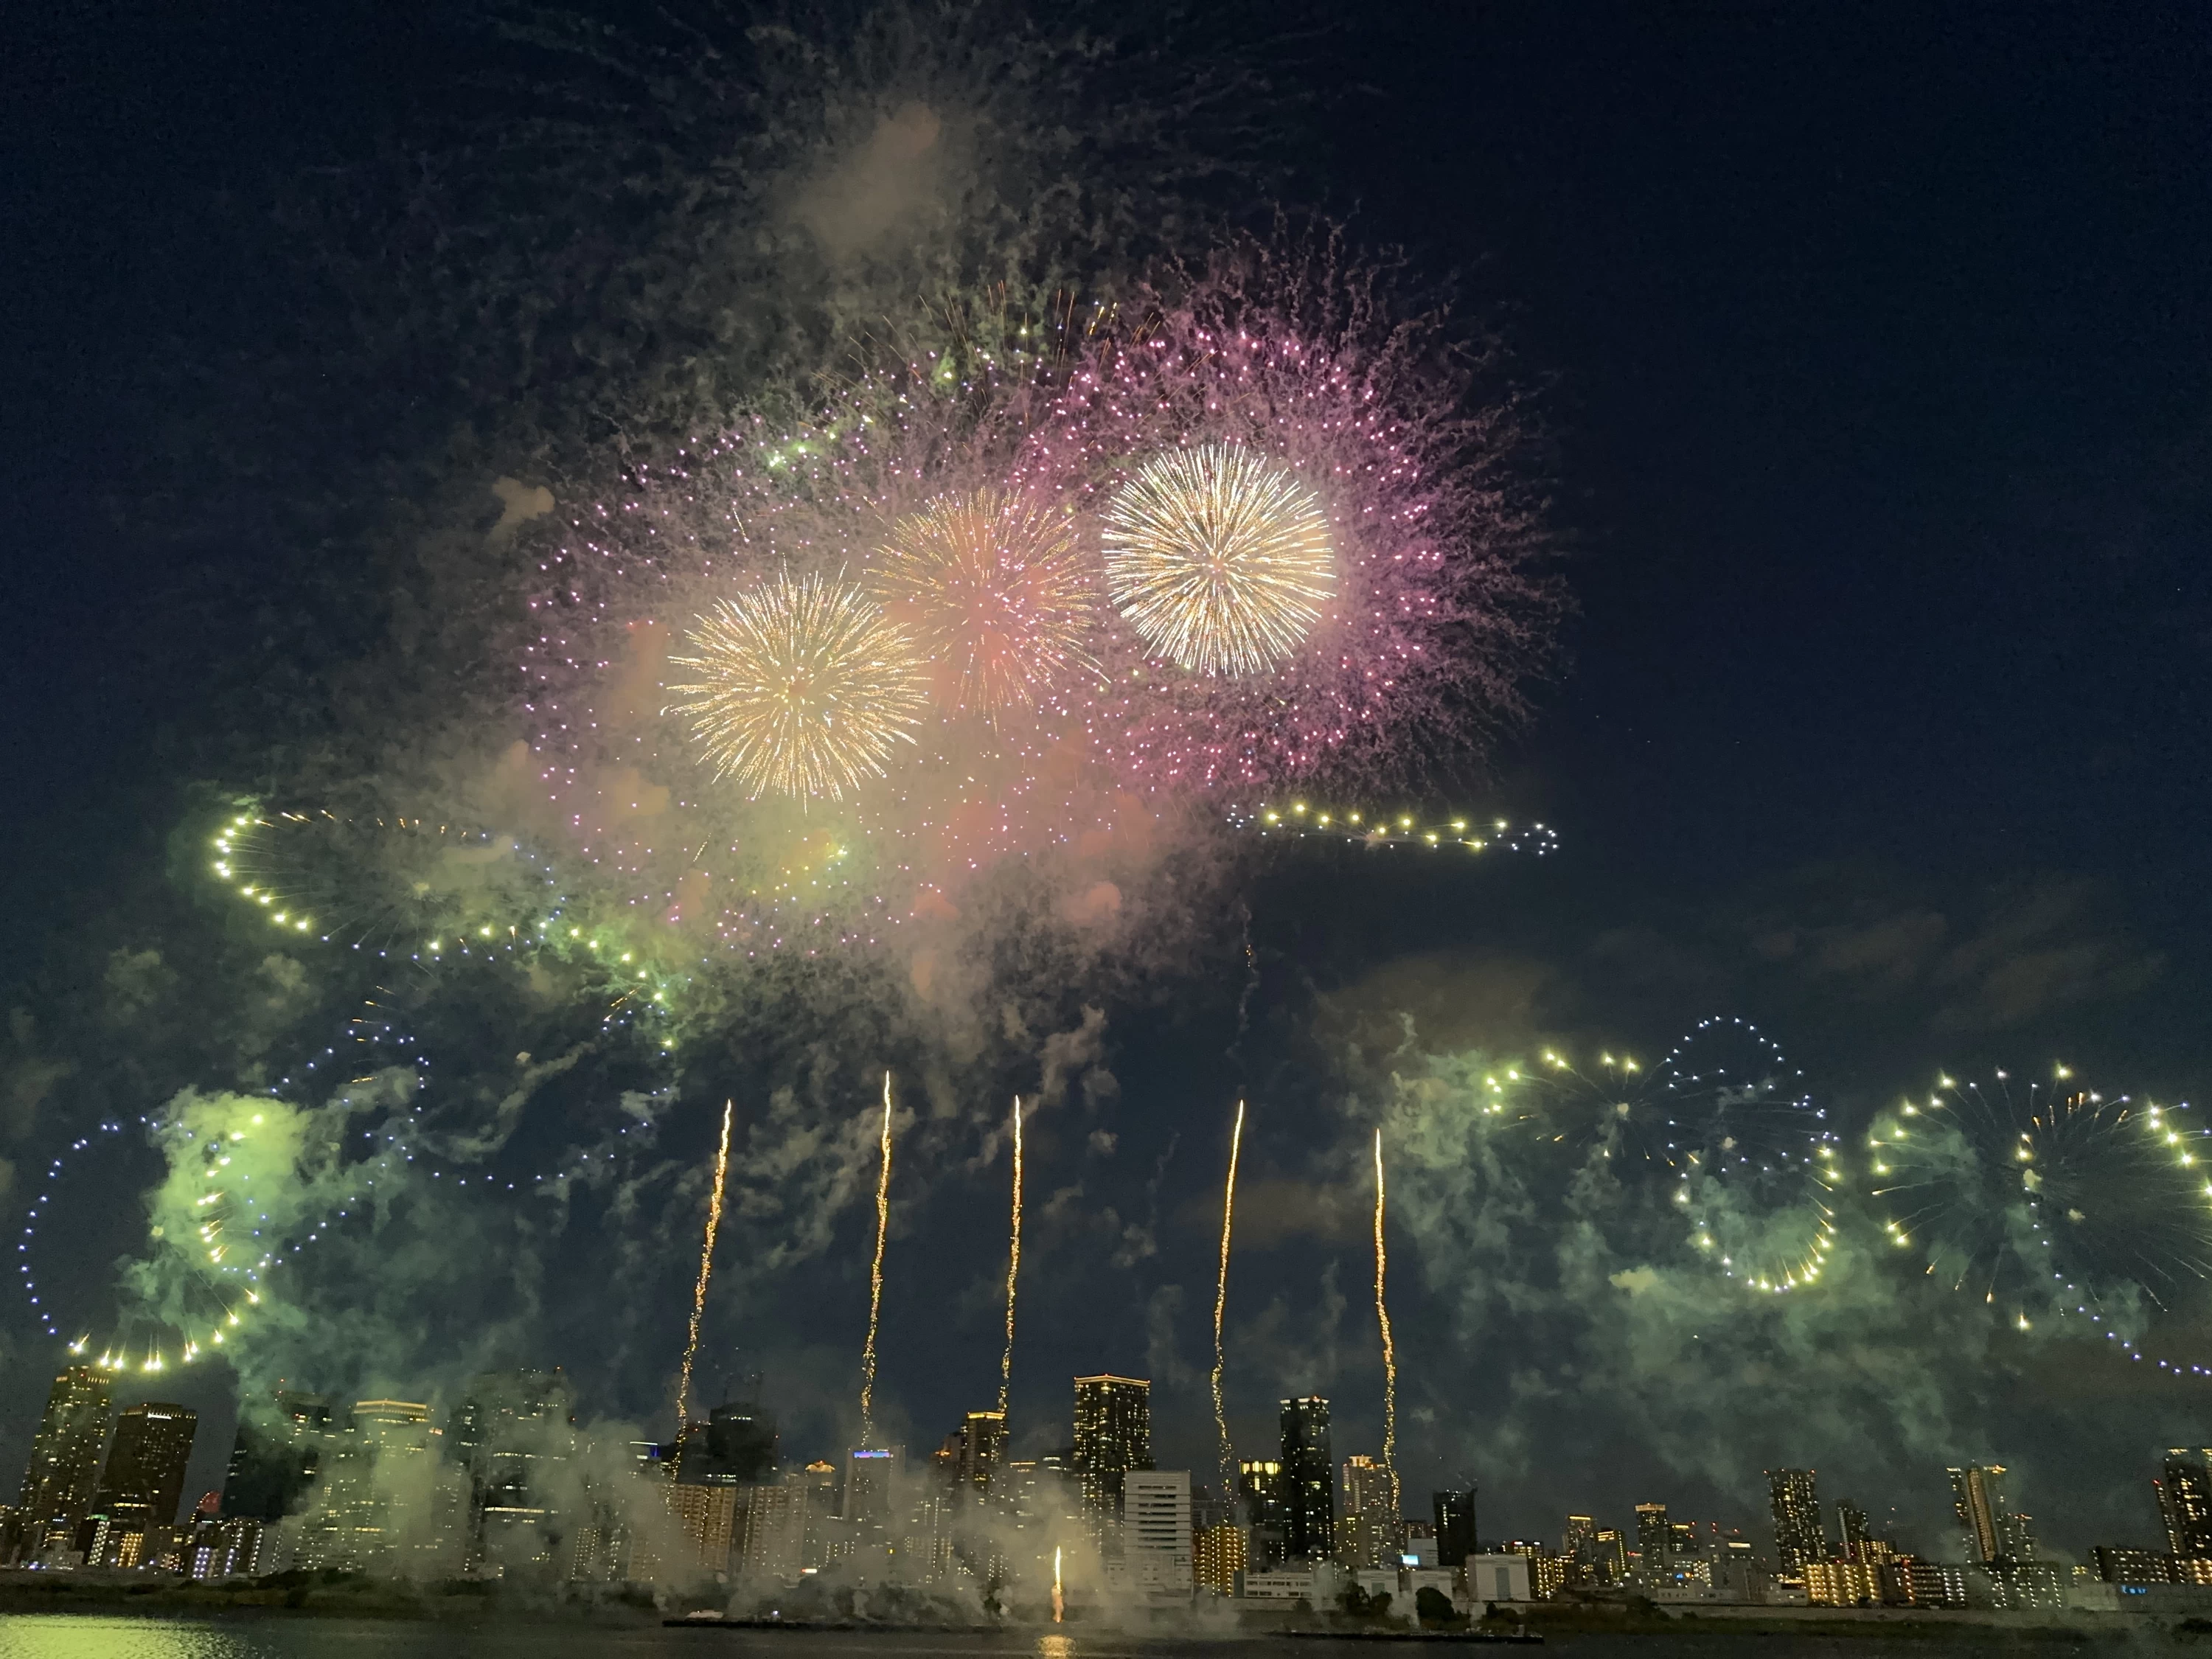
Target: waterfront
<point>89,1636</point>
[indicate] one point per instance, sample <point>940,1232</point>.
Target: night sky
<point>1871,349</point>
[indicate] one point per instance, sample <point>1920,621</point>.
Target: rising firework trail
<point>875,1276</point>
<point>1389,1350</point>
<point>1013,1268</point>
<point>1221,1304</point>
<point>706,1267</point>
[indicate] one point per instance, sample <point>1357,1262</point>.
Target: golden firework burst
<point>993,590</point>
<point>804,688</point>
<point>1219,558</point>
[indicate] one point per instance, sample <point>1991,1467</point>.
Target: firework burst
<point>806,688</point>
<point>1219,559</point>
<point>991,587</point>
<point>2048,1200</point>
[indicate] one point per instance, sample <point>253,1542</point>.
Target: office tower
<point>277,1456</point>
<point>2184,1502</point>
<point>1653,1540</point>
<point>1794,1500</point>
<point>376,1488</point>
<point>1978,1502</point>
<point>63,1471</point>
<point>1156,1545</point>
<point>1308,1482</point>
<point>1259,1495</point>
<point>1454,1513</point>
<point>513,1434</point>
<point>2016,1537</point>
<point>144,1480</point>
<point>818,1481</point>
<point>771,1540</point>
<point>1112,1435</point>
<point>982,1448</point>
<point>870,1473</point>
<point>1367,1535</point>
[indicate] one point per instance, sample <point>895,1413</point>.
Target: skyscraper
<point>1112,1435</point>
<point>144,1481</point>
<point>63,1471</point>
<point>277,1456</point>
<point>1368,1535</point>
<point>869,1474</point>
<point>514,1434</point>
<point>2184,1502</point>
<point>1259,1493</point>
<point>1654,1540</point>
<point>1852,1535</point>
<point>1454,1512</point>
<point>982,1448</point>
<point>1795,1499</point>
<point>1309,1480</point>
<point>1978,1502</point>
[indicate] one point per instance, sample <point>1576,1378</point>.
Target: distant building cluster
<point>507,1486</point>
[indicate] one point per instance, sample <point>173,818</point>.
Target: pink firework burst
<point>1439,618</point>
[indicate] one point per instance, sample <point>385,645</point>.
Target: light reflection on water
<point>88,1636</point>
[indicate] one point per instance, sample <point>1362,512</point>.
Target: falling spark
<point>705,1266</point>
<point>1013,1266</point>
<point>875,1278</point>
<point>1389,1351</point>
<point>1221,1304</point>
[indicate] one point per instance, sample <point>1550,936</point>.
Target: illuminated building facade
<point>1112,1435</point>
<point>1453,1515</point>
<point>513,1435</point>
<point>2184,1502</point>
<point>143,1482</point>
<point>1156,1538</point>
<point>1367,1532</point>
<point>1309,1477</point>
<point>1218,1556</point>
<point>982,1449</point>
<point>1793,1500</point>
<point>1978,1502</point>
<point>63,1470</point>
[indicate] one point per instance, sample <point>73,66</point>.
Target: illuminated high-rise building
<point>1367,1531</point>
<point>1218,1555</point>
<point>1259,1496</point>
<point>1578,1544</point>
<point>1654,1540</point>
<point>277,1456</point>
<point>515,1435</point>
<point>1112,1435</point>
<point>1852,1535</point>
<point>144,1480</point>
<point>870,1473</point>
<point>2184,1502</point>
<point>1308,1482</point>
<point>1156,1539</point>
<point>1977,1501</point>
<point>1609,1552</point>
<point>1454,1514</point>
<point>982,1448</point>
<point>63,1471</point>
<point>1794,1500</point>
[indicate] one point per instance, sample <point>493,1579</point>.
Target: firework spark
<point>875,1276</point>
<point>1219,559</point>
<point>992,589</point>
<point>2049,1201</point>
<point>1221,1305</point>
<point>706,1267</point>
<point>806,689</point>
<point>1389,1348</point>
<point>1013,1268</point>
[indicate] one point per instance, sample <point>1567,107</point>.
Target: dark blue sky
<point>1877,362</point>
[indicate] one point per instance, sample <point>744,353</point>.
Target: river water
<point>93,1636</point>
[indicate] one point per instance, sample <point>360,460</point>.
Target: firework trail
<point>1221,1304</point>
<point>1389,1351</point>
<point>1013,1266</point>
<point>875,1278</point>
<point>705,1266</point>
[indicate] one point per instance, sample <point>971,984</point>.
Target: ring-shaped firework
<point>1727,1120</point>
<point>2048,1200</point>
